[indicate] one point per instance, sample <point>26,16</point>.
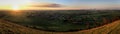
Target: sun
<point>20,4</point>
<point>15,7</point>
<point>15,4</point>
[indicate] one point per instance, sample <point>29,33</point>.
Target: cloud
<point>47,5</point>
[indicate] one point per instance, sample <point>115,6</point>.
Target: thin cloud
<point>47,5</point>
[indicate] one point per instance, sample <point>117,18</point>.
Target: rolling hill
<point>58,22</point>
<point>62,20</point>
<point>11,28</point>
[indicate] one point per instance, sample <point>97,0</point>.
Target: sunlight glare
<point>15,7</point>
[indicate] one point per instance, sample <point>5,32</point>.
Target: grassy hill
<point>61,22</point>
<point>11,28</point>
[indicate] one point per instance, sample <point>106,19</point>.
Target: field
<point>66,21</point>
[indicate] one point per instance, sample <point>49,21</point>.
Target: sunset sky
<point>58,4</point>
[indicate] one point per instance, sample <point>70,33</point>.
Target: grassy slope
<point>11,28</point>
<point>113,28</point>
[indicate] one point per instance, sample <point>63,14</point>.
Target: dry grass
<point>11,28</point>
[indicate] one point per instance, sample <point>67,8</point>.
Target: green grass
<point>100,22</point>
<point>11,28</point>
<point>63,20</point>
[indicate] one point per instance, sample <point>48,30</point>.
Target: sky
<point>59,4</point>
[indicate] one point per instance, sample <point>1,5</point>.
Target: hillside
<point>59,22</point>
<point>11,28</point>
<point>62,20</point>
<point>112,28</point>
